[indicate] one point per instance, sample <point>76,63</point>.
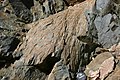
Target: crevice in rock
<point>28,3</point>
<point>14,44</point>
<point>67,4</point>
<point>47,64</point>
<point>8,45</point>
<point>86,55</point>
<point>72,2</point>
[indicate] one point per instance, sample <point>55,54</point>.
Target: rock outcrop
<point>107,22</point>
<point>59,39</point>
<point>55,39</point>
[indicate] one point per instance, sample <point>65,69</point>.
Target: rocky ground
<point>59,39</point>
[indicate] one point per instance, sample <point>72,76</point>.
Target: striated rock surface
<point>60,44</point>
<point>56,38</point>
<point>44,8</point>
<point>38,9</point>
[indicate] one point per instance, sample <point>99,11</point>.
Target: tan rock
<point>115,75</point>
<point>56,37</point>
<point>106,67</point>
<point>94,74</point>
<point>98,68</point>
<point>115,49</point>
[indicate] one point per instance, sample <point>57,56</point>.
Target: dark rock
<point>44,8</point>
<point>7,46</point>
<point>21,11</point>
<point>72,2</point>
<point>27,73</point>
<point>9,38</point>
<point>59,72</point>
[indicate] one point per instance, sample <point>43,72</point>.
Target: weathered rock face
<point>56,38</point>
<point>58,46</point>
<point>99,68</point>
<point>59,72</point>
<point>105,18</point>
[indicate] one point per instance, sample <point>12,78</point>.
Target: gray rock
<point>5,78</point>
<point>59,72</point>
<point>81,76</point>
<point>107,24</point>
<point>7,46</point>
<point>21,11</point>
<point>103,6</point>
<point>27,73</point>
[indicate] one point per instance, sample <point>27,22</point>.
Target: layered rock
<point>58,46</point>
<point>44,8</point>
<point>21,11</point>
<point>56,38</point>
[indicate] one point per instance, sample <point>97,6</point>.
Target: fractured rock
<point>55,38</point>
<point>98,68</point>
<point>59,72</point>
<point>21,11</point>
<point>106,21</point>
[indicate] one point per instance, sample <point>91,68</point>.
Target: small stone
<point>81,76</point>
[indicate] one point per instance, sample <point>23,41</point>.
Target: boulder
<point>98,68</point>
<point>103,22</point>
<point>56,38</point>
